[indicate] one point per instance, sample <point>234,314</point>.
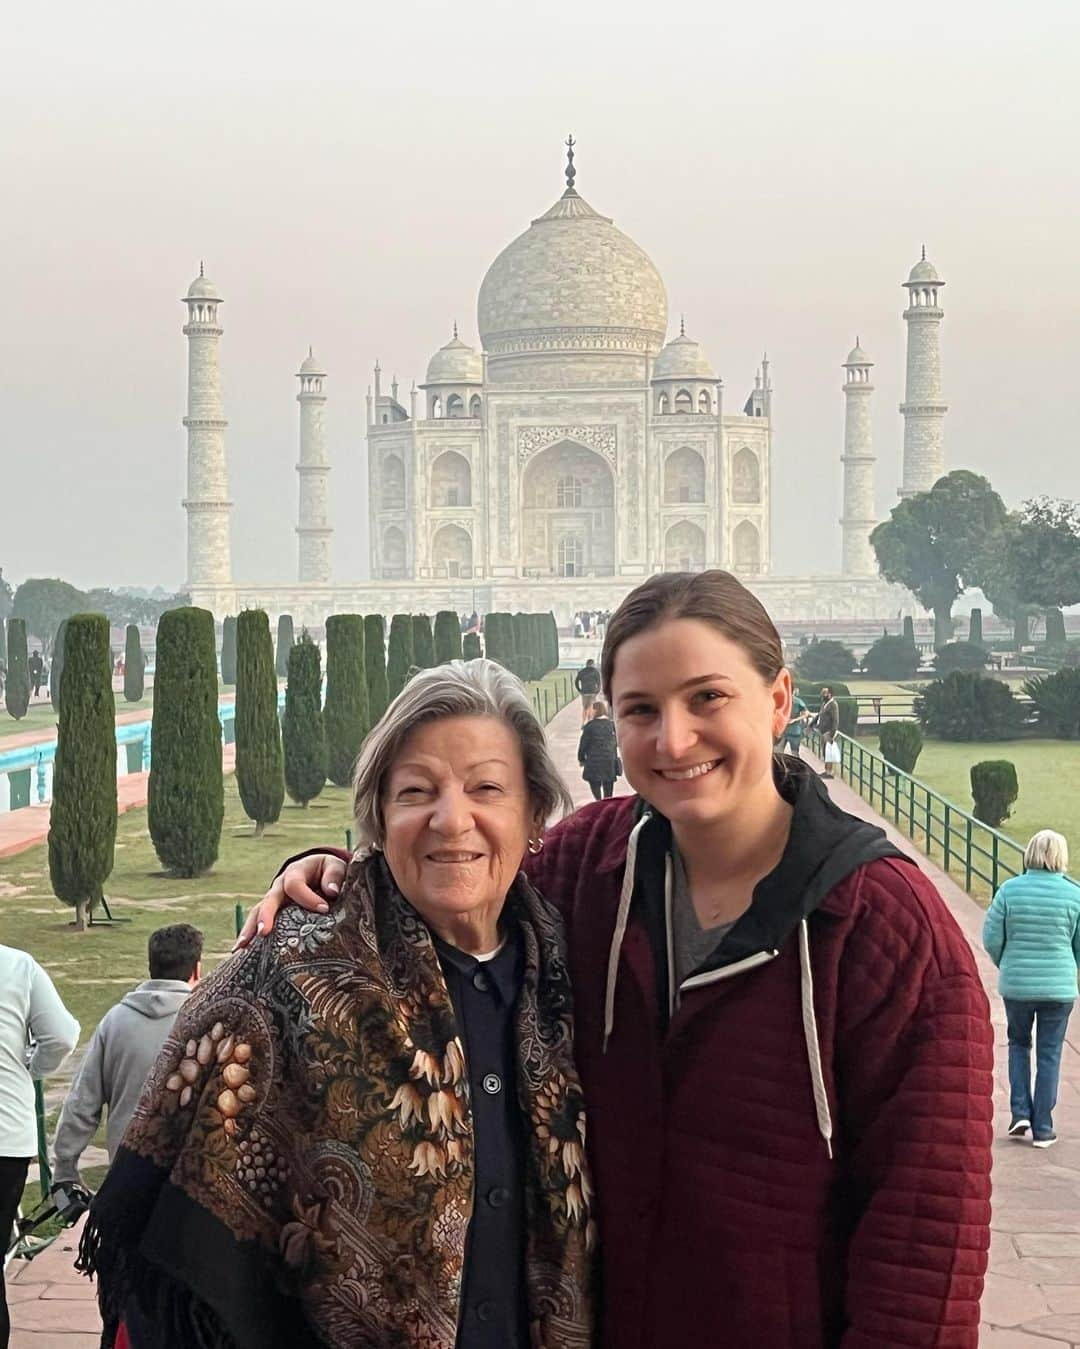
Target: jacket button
<point>485,1311</point>
<point>498,1196</point>
<point>481,982</point>
<point>493,1084</point>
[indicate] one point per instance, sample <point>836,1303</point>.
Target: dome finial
<point>201,272</point>
<point>924,252</point>
<point>571,172</point>
<point>310,352</point>
<point>455,330</point>
<point>682,325</point>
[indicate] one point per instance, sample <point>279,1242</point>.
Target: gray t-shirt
<point>691,944</point>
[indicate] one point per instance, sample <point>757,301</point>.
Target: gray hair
<point>475,688</point>
<point>1047,851</point>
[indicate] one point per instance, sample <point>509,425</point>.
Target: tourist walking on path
<point>124,1048</point>
<point>36,669</point>
<point>828,723</point>
<point>781,1032</point>
<point>37,1033</point>
<point>791,740</point>
<point>587,683</point>
<point>598,752</point>
<point>1032,934</point>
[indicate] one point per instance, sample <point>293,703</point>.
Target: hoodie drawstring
<point>622,918</point>
<point>813,1047</point>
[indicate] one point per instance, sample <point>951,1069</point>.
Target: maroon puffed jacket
<point>792,1150</point>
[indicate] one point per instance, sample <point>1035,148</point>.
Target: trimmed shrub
<point>345,716</point>
<point>470,646</point>
<point>303,736</point>
<point>826,660</point>
<point>285,639</point>
<point>994,788</point>
<point>909,630</point>
<point>891,658</point>
<point>134,665</point>
<point>3,636</point>
<point>1055,629</point>
<point>901,743</point>
<point>975,633</point>
<point>399,655</point>
<point>810,693</point>
<point>1057,702</point>
<point>17,683</point>
<point>260,767</point>
<point>423,643</point>
<point>82,821</point>
<point>57,667</point>
<point>186,799</point>
<point>375,666</point>
<point>523,646</point>
<point>228,651</point>
<point>447,637</point>
<point>499,638</point>
<point>959,656</point>
<point>551,647</point>
<point>966,705</point>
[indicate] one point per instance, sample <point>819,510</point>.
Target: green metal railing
<point>551,695</point>
<point>949,835</point>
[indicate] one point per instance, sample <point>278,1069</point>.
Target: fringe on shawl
<point>181,1320</point>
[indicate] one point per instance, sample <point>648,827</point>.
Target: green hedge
<point>375,666</point>
<point>975,628</point>
<point>17,683</point>
<point>470,646</point>
<point>423,642</point>
<point>399,654</point>
<point>134,665</point>
<point>186,799</point>
<point>994,789</point>
<point>260,764</point>
<point>228,651</point>
<point>346,713</point>
<point>966,705</point>
<point>1056,636</point>
<point>285,639</point>
<point>901,743</point>
<point>303,735</point>
<point>82,820</point>
<point>960,656</point>
<point>57,669</point>
<point>892,658</point>
<point>826,660</point>
<point>447,637</point>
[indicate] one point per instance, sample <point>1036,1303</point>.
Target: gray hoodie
<point>118,1059</point>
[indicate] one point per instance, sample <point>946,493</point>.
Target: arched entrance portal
<point>568,513</point>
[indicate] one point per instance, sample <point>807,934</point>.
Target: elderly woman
<point>369,1130</point>
<point>1032,934</point>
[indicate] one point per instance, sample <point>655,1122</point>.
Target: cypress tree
<point>499,638</point>
<point>1055,628</point>
<point>375,666</point>
<point>56,669</point>
<point>186,800</point>
<point>423,643</point>
<point>399,653</point>
<point>975,627</point>
<point>17,684</point>
<point>82,821</point>
<point>3,640</point>
<point>447,637</point>
<point>470,646</point>
<point>523,657</point>
<point>260,768</point>
<point>228,651</point>
<point>909,630</point>
<point>285,641</point>
<point>346,714</point>
<point>303,736</point>
<point>134,665</point>
<point>553,643</point>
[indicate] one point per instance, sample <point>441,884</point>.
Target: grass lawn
<point>41,717</point>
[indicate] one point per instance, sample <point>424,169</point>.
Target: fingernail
<point>322,908</point>
<point>332,888</point>
<point>259,929</point>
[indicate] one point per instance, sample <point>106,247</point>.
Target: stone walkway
<point>1032,1298</point>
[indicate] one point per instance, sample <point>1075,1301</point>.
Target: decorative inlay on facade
<point>576,339</point>
<point>532,439</point>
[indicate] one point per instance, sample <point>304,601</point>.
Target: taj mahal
<point>577,451</point>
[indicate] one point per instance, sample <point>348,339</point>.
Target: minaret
<point>313,468</point>
<point>207,502</point>
<point>922,408</point>
<point>858,460</point>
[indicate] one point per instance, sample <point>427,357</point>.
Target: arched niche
<point>455,405</point>
<point>746,548</point>
<point>568,495</point>
<point>451,551</point>
<point>684,476</point>
<point>393,552</point>
<point>684,401</point>
<point>451,480</point>
<point>745,477</point>
<point>684,547</point>
<point>392,483</point>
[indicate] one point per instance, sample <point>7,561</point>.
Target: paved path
<point>1032,1298</point>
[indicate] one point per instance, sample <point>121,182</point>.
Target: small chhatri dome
<point>311,366</point>
<point>856,356</point>
<point>924,271</point>
<point>456,363</point>
<point>683,358</point>
<point>202,288</point>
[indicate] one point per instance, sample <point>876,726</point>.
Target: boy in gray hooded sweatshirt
<point>125,1046</point>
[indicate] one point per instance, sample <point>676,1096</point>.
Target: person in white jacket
<point>37,1033</point>
<point>124,1048</point>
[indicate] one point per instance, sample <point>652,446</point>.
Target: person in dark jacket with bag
<point>828,723</point>
<point>598,752</point>
<point>783,1039</point>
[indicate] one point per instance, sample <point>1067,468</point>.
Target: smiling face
<point>457,818</point>
<point>696,720</point>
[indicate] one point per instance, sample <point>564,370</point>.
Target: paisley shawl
<point>299,1170</point>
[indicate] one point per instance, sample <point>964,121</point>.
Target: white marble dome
<point>572,270</point>
<point>856,356</point>
<point>202,288</point>
<point>310,366</point>
<point>923,272</point>
<point>456,363</point>
<point>683,358</point>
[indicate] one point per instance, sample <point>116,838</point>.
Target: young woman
<point>598,752</point>
<point>784,1044</point>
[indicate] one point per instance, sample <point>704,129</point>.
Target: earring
<point>536,845</point>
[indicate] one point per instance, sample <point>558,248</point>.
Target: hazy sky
<point>348,177</point>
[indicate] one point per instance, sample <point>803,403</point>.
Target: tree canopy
<point>44,603</point>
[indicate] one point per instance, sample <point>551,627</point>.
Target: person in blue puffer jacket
<point>1032,934</point>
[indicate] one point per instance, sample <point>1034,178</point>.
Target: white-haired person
<point>1032,934</point>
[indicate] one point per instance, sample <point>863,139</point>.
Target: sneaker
<point>1047,1142</point>
<point>1019,1127</point>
